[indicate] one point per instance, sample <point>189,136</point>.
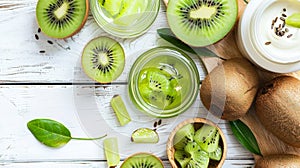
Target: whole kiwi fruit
<point>229,90</point>
<point>278,161</point>
<point>278,108</point>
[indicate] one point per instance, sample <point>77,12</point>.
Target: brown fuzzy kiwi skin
<point>278,109</point>
<point>278,161</point>
<point>87,8</point>
<point>230,89</point>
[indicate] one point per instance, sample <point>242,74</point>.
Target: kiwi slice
<point>183,136</point>
<point>111,151</point>
<point>113,7</point>
<point>120,110</point>
<point>61,18</point>
<point>201,22</point>
<point>130,11</point>
<point>200,160</point>
<point>200,157</point>
<point>157,87</point>
<point>207,138</point>
<point>144,135</point>
<point>182,158</point>
<point>103,59</point>
<point>142,160</point>
<point>293,20</point>
<point>216,155</point>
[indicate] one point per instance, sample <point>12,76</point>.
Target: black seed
<point>42,51</point>
<point>50,42</point>
<point>287,30</point>
<point>159,122</point>
<point>276,19</point>
<point>289,36</point>
<point>155,124</point>
<point>268,43</point>
<point>39,30</point>
<point>36,37</point>
<point>284,15</point>
<point>282,18</point>
<point>284,9</point>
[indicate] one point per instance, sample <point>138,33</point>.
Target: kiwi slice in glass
<point>207,138</point>
<point>201,22</point>
<point>103,59</point>
<point>142,160</point>
<point>157,87</point>
<point>61,18</point>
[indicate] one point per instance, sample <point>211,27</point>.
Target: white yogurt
<point>257,38</point>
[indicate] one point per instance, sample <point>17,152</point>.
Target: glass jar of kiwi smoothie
<point>163,82</point>
<point>125,18</point>
<point>265,38</point>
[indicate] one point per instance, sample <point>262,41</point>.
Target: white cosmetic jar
<point>257,38</point>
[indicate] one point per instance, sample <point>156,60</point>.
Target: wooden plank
<point>21,60</point>
<point>102,164</point>
<point>68,104</point>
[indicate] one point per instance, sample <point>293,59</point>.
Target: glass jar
<point>174,95</point>
<point>265,39</point>
<point>127,26</point>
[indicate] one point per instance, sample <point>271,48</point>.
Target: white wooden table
<point>52,85</point>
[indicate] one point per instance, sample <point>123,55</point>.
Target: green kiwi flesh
<point>207,138</point>
<point>216,155</point>
<point>144,135</point>
<point>142,160</point>
<point>103,59</point>
<point>158,88</point>
<point>182,157</point>
<point>183,136</point>
<point>120,110</point>
<point>61,18</point>
<point>201,22</point>
<point>111,151</point>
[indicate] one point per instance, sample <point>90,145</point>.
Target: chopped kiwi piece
<point>130,11</point>
<point>207,138</point>
<point>202,22</point>
<point>183,136</point>
<point>113,7</point>
<point>111,151</point>
<point>158,88</point>
<point>144,135</point>
<point>182,157</point>
<point>61,18</point>
<point>142,160</point>
<point>103,59</point>
<point>120,110</point>
<point>216,155</point>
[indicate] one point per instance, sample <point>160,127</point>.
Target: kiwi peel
<point>61,18</point>
<point>202,22</point>
<point>103,59</point>
<point>142,160</point>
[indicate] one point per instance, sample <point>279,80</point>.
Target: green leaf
<point>52,133</point>
<point>244,136</point>
<point>168,35</point>
<point>293,20</point>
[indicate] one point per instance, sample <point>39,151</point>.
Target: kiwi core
<point>61,11</point>
<point>204,12</point>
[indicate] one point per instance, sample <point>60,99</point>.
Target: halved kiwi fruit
<point>61,18</point>
<point>142,160</point>
<point>201,22</point>
<point>103,59</point>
